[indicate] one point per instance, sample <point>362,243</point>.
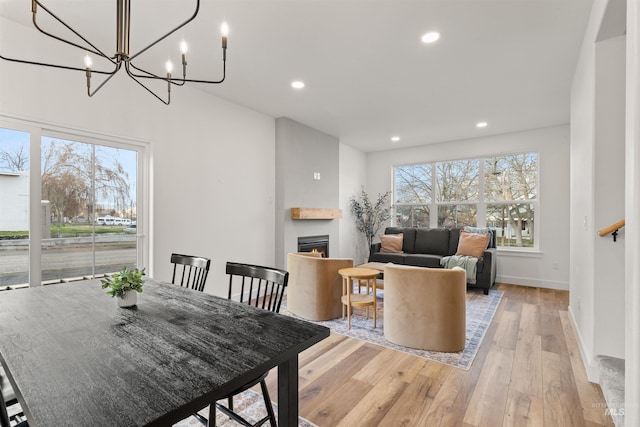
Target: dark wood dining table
<point>76,359</point>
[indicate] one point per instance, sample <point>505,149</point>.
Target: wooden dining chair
<point>192,271</point>
<point>261,287</point>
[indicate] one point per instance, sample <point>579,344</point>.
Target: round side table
<point>349,299</point>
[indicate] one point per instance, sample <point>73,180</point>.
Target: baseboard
<point>536,283</point>
<point>593,373</point>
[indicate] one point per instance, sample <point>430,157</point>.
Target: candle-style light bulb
<point>169,67</point>
<point>88,63</point>
<point>183,49</point>
<point>224,29</point>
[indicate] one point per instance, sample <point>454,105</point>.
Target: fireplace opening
<point>314,244</point>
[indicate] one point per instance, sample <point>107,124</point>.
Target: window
<point>511,194</point>
<point>499,192</point>
<point>457,196</point>
<point>412,195</point>
<point>14,207</point>
<point>49,221</point>
<point>81,183</point>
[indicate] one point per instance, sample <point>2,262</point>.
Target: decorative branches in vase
<point>369,217</point>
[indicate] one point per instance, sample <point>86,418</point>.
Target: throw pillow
<point>472,244</point>
<point>391,243</point>
<point>481,231</point>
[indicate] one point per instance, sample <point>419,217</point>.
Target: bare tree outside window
<point>450,216</point>
<point>506,196</point>
<point>457,181</point>
<point>14,159</point>
<point>509,179</point>
<point>70,173</point>
<point>413,193</point>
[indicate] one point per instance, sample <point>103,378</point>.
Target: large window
<point>14,207</point>
<point>499,192</point>
<point>78,217</point>
<point>89,196</point>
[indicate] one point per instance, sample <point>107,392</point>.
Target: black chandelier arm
<point>182,80</point>
<point>95,50</point>
<point>167,102</point>
<point>91,93</point>
<point>62,67</point>
<point>150,75</point>
<point>195,13</point>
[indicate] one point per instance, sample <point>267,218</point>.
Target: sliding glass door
<point>84,205</point>
<point>89,198</point>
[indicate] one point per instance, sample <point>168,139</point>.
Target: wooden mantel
<point>315,213</point>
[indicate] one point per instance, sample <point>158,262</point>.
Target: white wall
<point>302,152</point>
<point>582,230</point>
<point>609,196</point>
<point>552,145</point>
<point>597,190</point>
<point>632,213</point>
<point>353,175</point>
<point>213,161</point>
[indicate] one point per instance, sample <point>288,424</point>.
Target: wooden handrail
<point>613,229</point>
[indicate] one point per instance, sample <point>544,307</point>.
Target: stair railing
<point>613,229</point>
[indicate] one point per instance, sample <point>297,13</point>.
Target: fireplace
<point>314,244</point>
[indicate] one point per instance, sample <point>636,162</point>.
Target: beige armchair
<point>315,287</point>
<point>425,308</point>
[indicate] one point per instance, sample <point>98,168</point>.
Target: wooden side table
<point>349,299</point>
<point>376,266</point>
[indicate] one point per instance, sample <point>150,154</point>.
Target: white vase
<point>129,299</point>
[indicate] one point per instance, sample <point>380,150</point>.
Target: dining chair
<point>10,410</point>
<point>262,287</point>
<point>192,271</point>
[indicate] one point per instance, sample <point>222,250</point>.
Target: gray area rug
<point>249,404</point>
<point>480,311</point>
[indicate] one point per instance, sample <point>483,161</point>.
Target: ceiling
<point>368,76</point>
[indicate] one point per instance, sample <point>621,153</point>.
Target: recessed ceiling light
<point>297,84</point>
<point>481,124</point>
<point>395,138</point>
<point>430,37</point>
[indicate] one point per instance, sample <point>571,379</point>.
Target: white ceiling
<point>368,76</point>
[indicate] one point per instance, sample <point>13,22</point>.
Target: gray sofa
<point>424,247</point>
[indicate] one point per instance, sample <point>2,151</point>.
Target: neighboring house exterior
<point>14,201</point>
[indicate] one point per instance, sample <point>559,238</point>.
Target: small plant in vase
<point>125,286</point>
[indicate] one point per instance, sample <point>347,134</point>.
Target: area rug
<point>480,311</point>
<point>249,404</point>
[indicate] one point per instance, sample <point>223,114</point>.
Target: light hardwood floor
<point>528,372</point>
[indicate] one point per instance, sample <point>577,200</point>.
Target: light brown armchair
<point>425,308</point>
<point>315,287</point>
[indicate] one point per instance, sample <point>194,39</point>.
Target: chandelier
<point>123,56</point>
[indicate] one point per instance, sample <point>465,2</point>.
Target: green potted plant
<point>125,286</point>
<point>369,217</point>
